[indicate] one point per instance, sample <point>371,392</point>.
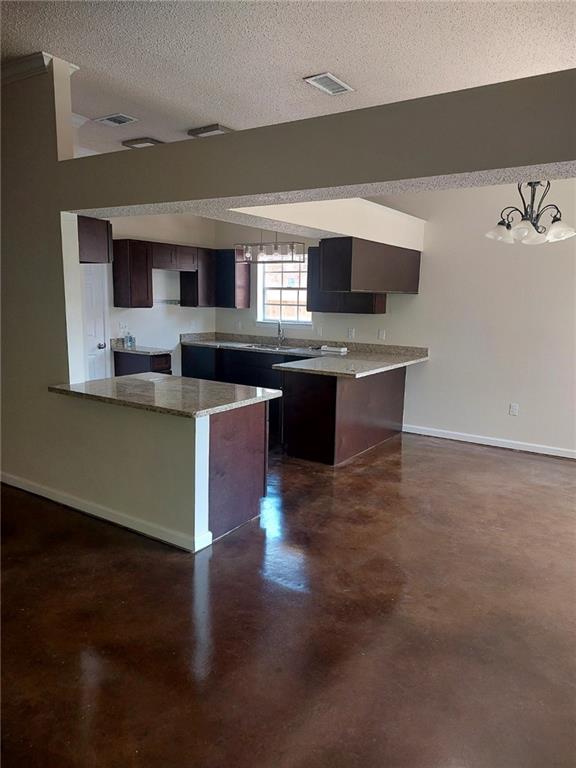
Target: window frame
<point>261,289</point>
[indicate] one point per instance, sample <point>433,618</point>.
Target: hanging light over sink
<point>525,225</point>
<point>270,253</point>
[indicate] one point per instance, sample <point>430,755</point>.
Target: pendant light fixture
<point>270,253</point>
<point>525,225</point>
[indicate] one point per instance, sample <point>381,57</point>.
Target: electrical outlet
<point>382,334</point>
<point>319,331</point>
<point>239,325</point>
<point>351,333</point>
<point>514,409</point>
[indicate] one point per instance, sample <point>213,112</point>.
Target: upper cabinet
<point>132,273</point>
<point>94,240</point>
<point>208,277</point>
<point>198,289</point>
<point>356,265</point>
<point>176,257</point>
<point>346,302</point>
<point>232,281</point>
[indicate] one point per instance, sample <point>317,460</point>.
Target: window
<point>282,293</point>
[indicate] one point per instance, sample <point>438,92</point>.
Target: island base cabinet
<point>332,419</point>
<point>238,467</point>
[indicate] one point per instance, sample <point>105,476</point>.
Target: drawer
<point>160,363</point>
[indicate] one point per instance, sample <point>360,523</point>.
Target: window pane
<point>273,279</point>
<point>303,279</point>
<point>289,297</point>
<point>272,296</point>
<point>291,279</point>
<point>304,316</point>
<point>272,312</point>
<point>302,297</point>
<point>290,312</point>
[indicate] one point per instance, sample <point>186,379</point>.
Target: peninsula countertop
<point>137,350</point>
<point>175,395</point>
<point>355,365</point>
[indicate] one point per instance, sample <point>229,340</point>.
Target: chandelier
<point>270,253</point>
<point>524,225</point>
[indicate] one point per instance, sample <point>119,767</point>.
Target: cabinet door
<point>186,257</point>
<point>232,281</point>
<point>94,240</point>
<point>206,292</point>
<point>318,300</point>
<point>140,274</point>
<point>199,362</point>
<point>163,256</point>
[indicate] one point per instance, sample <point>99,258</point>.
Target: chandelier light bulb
<point>534,238</point>
<point>501,232</point>
<point>559,231</point>
<point>521,229</point>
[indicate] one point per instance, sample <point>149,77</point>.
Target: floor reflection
<point>284,564</point>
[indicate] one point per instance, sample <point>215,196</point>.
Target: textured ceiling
<point>176,65</point>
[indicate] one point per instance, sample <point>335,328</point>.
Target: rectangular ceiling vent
<point>329,84</point>
<point>115,120</point>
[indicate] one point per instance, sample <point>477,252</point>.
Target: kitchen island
<point>203,442</point>
<point>338,407</point>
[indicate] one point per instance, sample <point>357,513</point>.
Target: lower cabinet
<point>240,367</point>
<point>126,363</point>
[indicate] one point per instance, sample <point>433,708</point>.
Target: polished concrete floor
<point>414,609</point>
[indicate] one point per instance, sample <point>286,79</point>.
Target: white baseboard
<point>153,530</point>
<point>202,541</point>
<point>497,442</point>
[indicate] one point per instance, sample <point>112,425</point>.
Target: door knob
<point>102,345</point>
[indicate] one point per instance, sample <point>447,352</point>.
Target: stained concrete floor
<point>414,609</point>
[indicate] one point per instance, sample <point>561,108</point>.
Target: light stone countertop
<point>176,395</point>
<point>353,365</point>
<point>269,349</point>
<point>139,350</point>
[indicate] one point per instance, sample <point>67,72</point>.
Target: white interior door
<point>95,315</point>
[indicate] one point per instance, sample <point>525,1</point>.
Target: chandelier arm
<point>550,206</point>
<point>512,209</point>
<point>525,214</point>
<point>547,189</point>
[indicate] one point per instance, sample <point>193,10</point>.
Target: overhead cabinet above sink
<point>354,265</point>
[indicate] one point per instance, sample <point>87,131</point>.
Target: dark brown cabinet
<point>318,300</point>
<point>94,240</point>
<point>356,265</point>
<point>198,289</point>
<point>240,367</point>
<point>208,278</point>
<point>232,281</point>
<point>163,256</point>
<point>187,257</point>
<point>126,363</point>
<point>132,273</point>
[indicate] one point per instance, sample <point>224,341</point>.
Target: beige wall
<point>500,322</point>
<point>131,466</point>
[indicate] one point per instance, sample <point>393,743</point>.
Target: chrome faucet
<point>281,335</point>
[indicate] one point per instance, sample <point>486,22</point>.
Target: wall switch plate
<point>351,333</point>
<point>513,409</point>
<point>319,331</point>
<point>239,325</point>
<point>382,334</point>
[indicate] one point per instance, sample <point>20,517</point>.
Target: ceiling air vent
<point>115,120</point>
<point>328,83</point>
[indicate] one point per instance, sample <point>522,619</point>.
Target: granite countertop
<point>139,350</point>
<point>270,348</point>
<point>176,395</point>
<point>354,365</point>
